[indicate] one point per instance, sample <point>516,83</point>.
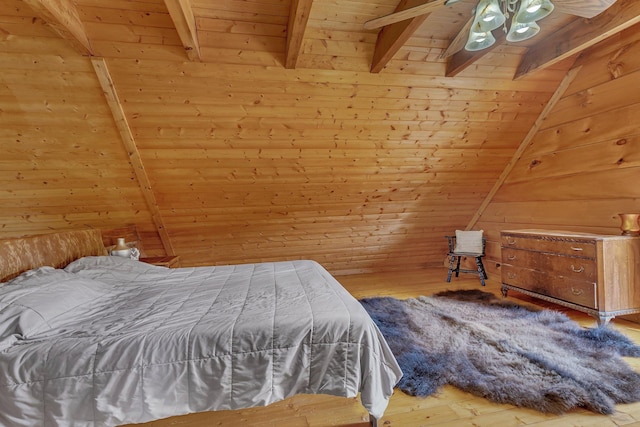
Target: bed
<point>93,340</point>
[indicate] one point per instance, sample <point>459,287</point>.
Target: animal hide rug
<point>506,352</point>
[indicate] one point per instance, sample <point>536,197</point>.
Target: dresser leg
<point>504,291</point>
<point>603,320</point>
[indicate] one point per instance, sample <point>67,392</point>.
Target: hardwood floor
<point>448,408</point>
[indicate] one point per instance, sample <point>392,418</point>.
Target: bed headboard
<point>18,255</point>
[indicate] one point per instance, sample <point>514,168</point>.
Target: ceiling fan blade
<point>412,12</point>
<point>583,8</point>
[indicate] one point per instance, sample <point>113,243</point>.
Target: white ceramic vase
<point>121,249</point>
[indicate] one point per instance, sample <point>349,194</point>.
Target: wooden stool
<point>456,256</point>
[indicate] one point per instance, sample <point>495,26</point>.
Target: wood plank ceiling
<point>567,33</point>
<point>264,129</point>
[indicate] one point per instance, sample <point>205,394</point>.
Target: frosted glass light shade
<point>533,10</point>
<point>488,16</point>
<point>479,40</point>
<point>519,31</point>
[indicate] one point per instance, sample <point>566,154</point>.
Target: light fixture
<point>492,14</point>
<point>533,10</point>
<point>519,32</point>
<point>488,16</point>
<point>479,41</point>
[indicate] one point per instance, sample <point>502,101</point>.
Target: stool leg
<point>458,266</point>
<point>450,268</point>
<point>481,272</point>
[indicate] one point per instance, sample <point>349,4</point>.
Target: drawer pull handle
<point>577,291</point>
<point>577,270</point>
<point>511,275</point>
<point>511,257</point>
<point>576,249</point>
<point>511,242</point>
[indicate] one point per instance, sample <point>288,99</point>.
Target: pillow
<point>469,242</point>
<point>118,271</point>
<point>39,299</point>
<point>97,264</point>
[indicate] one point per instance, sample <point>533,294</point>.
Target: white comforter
<point>109,341</point>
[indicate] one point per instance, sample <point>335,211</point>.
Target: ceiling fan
<point>582,8</point>
<point>472,39</point>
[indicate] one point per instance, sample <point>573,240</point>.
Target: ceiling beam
<point>578,36</point>
<point>185,22</point>
<point>401,15</point>
<point>298,19</point>
<point>459,41</point>
<point>392,37</point>
<point>63,17</point>
<point>464,59</point>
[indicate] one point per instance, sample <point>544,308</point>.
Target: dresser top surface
<point>564,233</point>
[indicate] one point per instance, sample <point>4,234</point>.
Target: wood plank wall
<point>362,172</point>
<point>583,166</point>
<point>62,165</point>
<point>248,161</point>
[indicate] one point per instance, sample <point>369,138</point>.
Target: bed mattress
<point>108,341</point>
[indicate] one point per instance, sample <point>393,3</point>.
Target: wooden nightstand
<point>171,261</point>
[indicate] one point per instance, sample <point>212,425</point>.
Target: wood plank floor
<point>449,408</point>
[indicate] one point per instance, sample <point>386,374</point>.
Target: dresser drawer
<point>575,268</point>
<point>585,248</point>
<point>576,291</point>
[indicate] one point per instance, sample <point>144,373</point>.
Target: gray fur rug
<point>506,352</point>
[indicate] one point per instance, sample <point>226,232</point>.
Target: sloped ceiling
<point>332,26</point>
<point>263,130</point>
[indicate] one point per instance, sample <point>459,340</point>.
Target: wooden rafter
<point>578,36</point>
<point>459,41</point>
<point>183,19</point>
<point>63,17</point>
<point>392,37</point>
<point>298,18</point>
<point>403,14</point>
<point>109,89</point>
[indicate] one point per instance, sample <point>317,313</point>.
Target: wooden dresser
<point>593,273</point>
